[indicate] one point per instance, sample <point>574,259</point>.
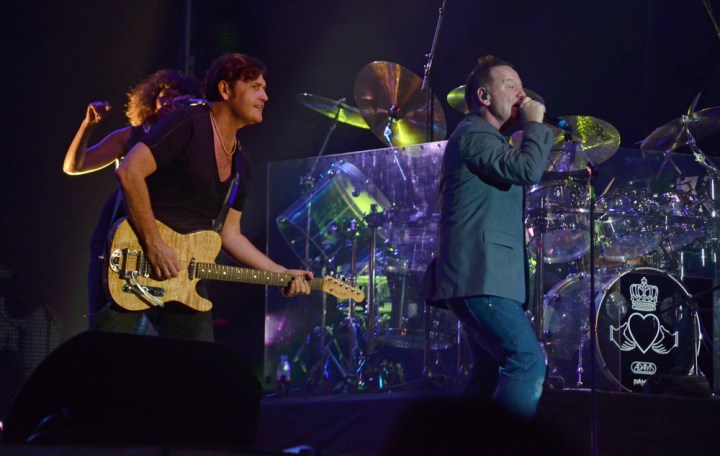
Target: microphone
<point>189,102</point>
<point>557,122</point>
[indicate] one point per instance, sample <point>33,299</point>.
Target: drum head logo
<point>643,330</point>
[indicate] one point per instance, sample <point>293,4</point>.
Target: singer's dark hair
<point>230,68</point>
<point>140,107</point>
<point>480,77</point>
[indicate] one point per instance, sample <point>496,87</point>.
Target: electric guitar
<point>131,286</point>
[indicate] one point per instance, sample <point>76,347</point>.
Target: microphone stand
<point>428,75</point>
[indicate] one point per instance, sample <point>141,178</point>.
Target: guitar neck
<point>243,275</point>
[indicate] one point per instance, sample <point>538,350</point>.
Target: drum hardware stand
<point>581,346</point>
<point>702,159</point>
<point>592,172</point>
<point>328,342</point>
<point>392,116</point>
<point>333,124</point>
<point>363,364</point>
<point>427,76</point>
<point>434,373</point>
<point>356,360</point>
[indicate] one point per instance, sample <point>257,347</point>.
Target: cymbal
<point>672,136</point>
<point>330,108</point>
<point>456,98</point>
<point>592,140</point>
<point>388,94</point>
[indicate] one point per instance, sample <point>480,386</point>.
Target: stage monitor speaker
<point>121,389</point>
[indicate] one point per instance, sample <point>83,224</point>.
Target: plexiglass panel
<point>342,214</point>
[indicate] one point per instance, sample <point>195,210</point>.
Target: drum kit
<point>380,232</point>
<point>645,320</point>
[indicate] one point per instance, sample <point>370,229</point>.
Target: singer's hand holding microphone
<point>531,110</point>
<point>534,111</point>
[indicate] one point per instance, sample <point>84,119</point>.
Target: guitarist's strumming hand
<point>164,260</point>
<point>299,284</point>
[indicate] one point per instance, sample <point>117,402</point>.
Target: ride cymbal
<point>674,134</point>
<point>592,140</point>
<point>393,106</point>
<point>334,109</point>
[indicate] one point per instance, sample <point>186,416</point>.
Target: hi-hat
<point>391,102</point>
<point>456,98</point>
<point>333,109</point>
<point>592,140</point>
<point>674,134</point>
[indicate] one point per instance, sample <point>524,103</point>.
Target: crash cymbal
<point>672,136</point>
<point>389,95</point>
<point>592,140</point>
<point>456,98</point>
<point>329,108</point>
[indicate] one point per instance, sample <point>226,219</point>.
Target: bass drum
<point>645,326</point>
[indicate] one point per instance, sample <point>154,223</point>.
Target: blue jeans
<point>502,329</point>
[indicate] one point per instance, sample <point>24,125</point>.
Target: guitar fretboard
<point>243,275</point>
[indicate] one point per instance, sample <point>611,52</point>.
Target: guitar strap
<point>219,220</point>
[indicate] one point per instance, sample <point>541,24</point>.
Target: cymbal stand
<point>428,75</point>
<point>702,159</point>
<point>374,219</point>
<point>333,124</point>
<point>356,359</point>
<point>537,307</point>
<point>388,133</point>
<point>592,172</point>
<point>307,182</point>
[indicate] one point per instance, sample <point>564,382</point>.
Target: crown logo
<point>643,296</point>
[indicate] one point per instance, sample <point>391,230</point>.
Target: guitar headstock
<point>341,289</point>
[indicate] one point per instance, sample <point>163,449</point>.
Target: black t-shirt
<point>185,191</point>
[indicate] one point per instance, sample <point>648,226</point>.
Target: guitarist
<point>180,174</point>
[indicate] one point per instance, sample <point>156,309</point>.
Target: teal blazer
<point>481,245</point>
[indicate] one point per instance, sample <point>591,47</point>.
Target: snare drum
<point>557,219</point>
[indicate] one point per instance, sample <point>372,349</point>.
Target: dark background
<point>635,64</point>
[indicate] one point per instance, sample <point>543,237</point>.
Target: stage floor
<point>429,421</point>
<point>443,422</point>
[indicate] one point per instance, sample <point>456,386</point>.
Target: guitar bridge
<point>124,262</point>
<point>153,291</point>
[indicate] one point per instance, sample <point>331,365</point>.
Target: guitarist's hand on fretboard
<point>299,284</point>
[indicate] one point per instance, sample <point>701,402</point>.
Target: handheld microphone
<point>557,122</point>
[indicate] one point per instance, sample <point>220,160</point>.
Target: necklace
<point>222,144</point>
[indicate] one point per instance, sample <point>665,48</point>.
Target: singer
<point>480,270</point>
